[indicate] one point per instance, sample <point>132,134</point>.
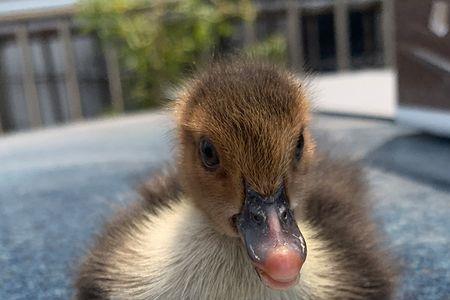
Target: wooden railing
<point>294,11</point>
<point>20,33</point>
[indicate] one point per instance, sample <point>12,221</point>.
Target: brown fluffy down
<point>176,242</point>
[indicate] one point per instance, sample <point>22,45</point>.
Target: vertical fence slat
<point>387,19</point>
<point>115,85</point>
<point>73,90</point>
<point>31,95</point>
<point>295,41</point>
<point>342,34</point>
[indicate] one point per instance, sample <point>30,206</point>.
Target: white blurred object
<point>438,22</point>
<point>368,93</point>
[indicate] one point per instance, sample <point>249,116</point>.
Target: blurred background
<point>82,84</point>
<point>67,60</point>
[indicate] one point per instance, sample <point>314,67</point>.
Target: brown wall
<point>423,57</point>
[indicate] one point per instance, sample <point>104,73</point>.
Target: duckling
<point>250,210</point>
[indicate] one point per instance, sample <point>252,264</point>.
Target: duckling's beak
<point>273,240</point>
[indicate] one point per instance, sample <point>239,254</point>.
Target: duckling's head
<point>243,128</point>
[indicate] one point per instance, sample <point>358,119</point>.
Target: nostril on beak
<point>284,216</point>
<point>258,217</point>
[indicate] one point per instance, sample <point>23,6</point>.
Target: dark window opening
<point>92,76</point>
<point>13,106</point>
<point>319,42</point>
<point>365,40</point>
<point>49,77</point>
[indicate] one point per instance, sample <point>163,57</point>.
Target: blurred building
<point>51,73</point>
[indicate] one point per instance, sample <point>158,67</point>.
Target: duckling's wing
<point>98,276</point>
<point>337,206</point>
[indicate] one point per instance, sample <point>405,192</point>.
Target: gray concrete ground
<point>58,185</point>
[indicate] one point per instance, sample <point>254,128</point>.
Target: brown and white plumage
<point>178,240</point>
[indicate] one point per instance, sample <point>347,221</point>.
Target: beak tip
<point>281,268</point>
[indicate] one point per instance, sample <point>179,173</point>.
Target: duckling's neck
<point>209,261</point>
<point>186,258</point>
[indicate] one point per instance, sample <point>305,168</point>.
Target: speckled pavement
<point>58,185</point>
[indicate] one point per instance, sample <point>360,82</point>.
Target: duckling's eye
<point>299,147</point>
<point>208,154</point>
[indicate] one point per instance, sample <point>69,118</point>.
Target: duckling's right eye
<point>208,154</point>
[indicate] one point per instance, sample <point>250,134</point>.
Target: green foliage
<point>158,40</point>
<point>273,49</point>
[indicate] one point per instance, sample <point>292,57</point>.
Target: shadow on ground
<point>421,157</point>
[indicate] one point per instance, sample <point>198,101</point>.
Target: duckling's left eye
<point>299,147</point>
<point>208,154</point>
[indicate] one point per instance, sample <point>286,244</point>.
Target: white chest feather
<point>177,255</point>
